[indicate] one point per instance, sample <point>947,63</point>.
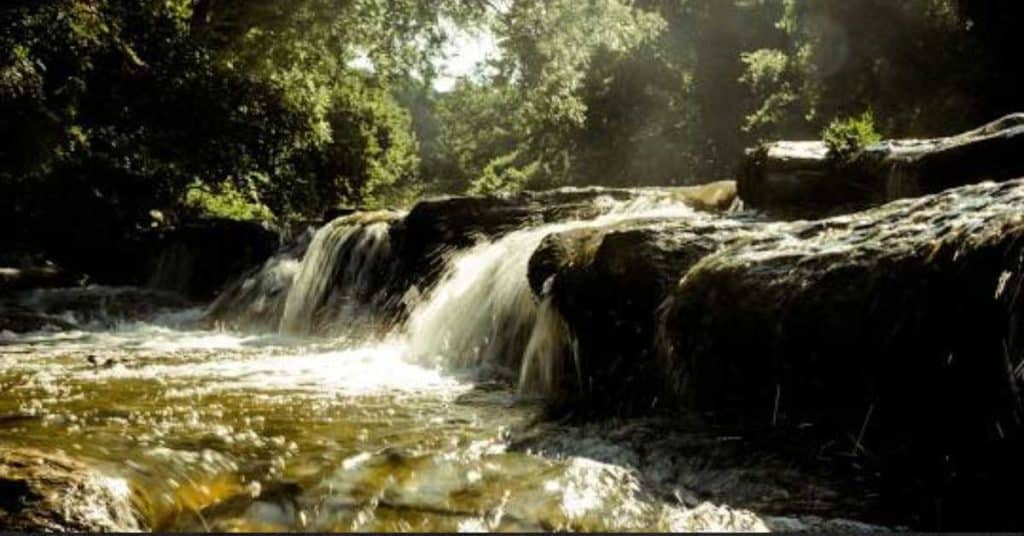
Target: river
<point>424,426</point>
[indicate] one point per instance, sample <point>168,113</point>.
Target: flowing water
<point>302,428</point>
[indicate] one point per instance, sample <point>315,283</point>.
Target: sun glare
<point>464,53</point>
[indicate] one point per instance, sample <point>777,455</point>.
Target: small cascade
<point>256,300</point>
<point>544,359</point>
<point>483,312</point>
<point>480,314</point>
<point>902,180</point>
<point>340,274</point>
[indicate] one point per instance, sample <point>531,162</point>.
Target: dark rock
<point>16,279</point>
<point>26,321</point>
<point>45,492</point>
<point>103,304</point>
<point>895,331</point>
<point>794,178</point>
<point>198,258</point>
<point>607,283</point>
<point>434,227</point>
<point>799,179</point>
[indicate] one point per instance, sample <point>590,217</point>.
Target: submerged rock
<point>800,179</point>
<point>45,492</point>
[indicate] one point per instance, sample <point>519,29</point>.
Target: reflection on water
<point>219,431</point>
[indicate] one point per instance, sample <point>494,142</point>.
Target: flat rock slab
<point>797,179</point>
<point>15,279</point>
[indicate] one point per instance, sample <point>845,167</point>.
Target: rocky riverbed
<point>581,359</point>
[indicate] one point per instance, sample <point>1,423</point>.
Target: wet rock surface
<point>892,334</point>
<point>684,460</point>
<point>799,179</point>
<point>607,283</point>
<point>24,321</point>
<point>46,492</point>
<point>417,246</point>
<point>897,327</point>
<point>70,307</point>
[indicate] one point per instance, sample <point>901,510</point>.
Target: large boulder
<point>607,284</point>
<point>798,179</point>
<point>893,334</point>
<point>47,492</point>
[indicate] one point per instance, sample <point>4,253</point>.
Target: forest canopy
<point>285,110</point>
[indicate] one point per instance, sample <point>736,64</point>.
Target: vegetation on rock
<point>845,136</point>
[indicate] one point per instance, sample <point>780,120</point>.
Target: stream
<point>222,431</point>
<point>425,426</point>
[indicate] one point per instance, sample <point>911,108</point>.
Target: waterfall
<point>256,300</point>
<point>483,308</point>
<point>339,274</point>
<point>482,313</point>
<point>549,345</point>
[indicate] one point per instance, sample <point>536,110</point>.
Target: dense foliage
<point>680,87</point>
<point>262,108</point>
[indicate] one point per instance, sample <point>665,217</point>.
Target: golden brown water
<point>220,431</point>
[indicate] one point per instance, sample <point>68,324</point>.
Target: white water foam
<point>483,312</point>
<point>338,268</point>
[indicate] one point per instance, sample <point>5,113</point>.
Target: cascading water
<point>339,272</point>
<point>256,300</point>
<point>483,312</point>
<point>173,268</point>
<point>543,358</point>
<point>327,282</point>
<point>223,431</point>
